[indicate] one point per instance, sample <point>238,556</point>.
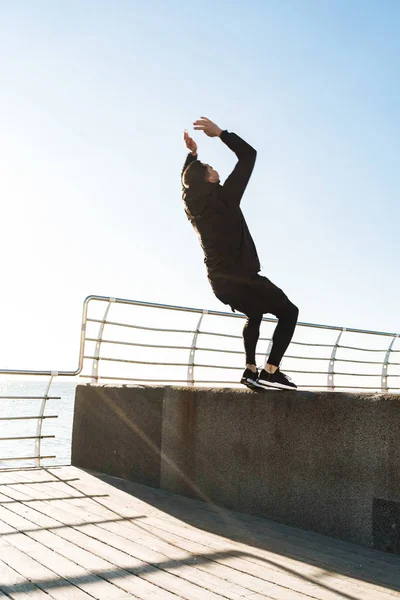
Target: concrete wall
<point>329,462</point>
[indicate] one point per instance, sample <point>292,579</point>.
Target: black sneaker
<point>250,379</point>
<point>276,380</point>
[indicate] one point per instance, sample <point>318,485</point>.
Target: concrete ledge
<point>117,430</point>
<point>329,462</point>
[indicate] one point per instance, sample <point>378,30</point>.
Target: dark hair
<point>194,173</point>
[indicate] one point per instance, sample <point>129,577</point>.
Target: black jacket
<point>214,211</point>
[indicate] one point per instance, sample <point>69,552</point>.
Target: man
<point>230,254</point>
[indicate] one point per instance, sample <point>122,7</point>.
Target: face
<point>212,175</point>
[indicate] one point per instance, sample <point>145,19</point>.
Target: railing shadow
<point>330,555</point>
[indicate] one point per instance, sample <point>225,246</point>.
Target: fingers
<point>202,121</point>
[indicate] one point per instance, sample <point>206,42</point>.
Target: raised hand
<point>190,143</point>
<point>209,128</point>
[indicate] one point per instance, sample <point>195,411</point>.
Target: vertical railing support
<point>39,426</point>
<point>384,381</point>
<point>190,371</point>
<point>268,352</point>
<point>331,368</point>
<point>96,361</point>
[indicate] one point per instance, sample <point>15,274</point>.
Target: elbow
<point>253,153</point>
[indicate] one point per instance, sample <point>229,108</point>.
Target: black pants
<point>254,297</point>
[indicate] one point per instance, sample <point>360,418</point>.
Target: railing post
<point>268,352</point>
<point>331,368</point>
<point>384,382</point>
<point>190,371</point>
<point>38,441</point>
<point>96,361</point>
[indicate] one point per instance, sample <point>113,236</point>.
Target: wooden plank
<point>168,537</point>
<point>258,569</point>
<point>130,583</point>
<point>16,586</point>
<point>301,544</point>
<point>174,582</point>
<point>60,567</point>
<point>219,585</point>
<point>44,578</point>
<point>264,586</point>
<point>83,545</point>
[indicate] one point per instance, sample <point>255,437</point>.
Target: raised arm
<point>235,185</point>
<point>189,159</point>
<point>192,156</point>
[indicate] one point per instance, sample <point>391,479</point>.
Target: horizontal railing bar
<point>30,397</point>
<point>26,458</point>
<point>345,387</point>
<point>225,335</point>
<point>199,365</point>
<point>184,381</point>
<point>162,330</point>
<point>141,327</point>
<point>28,437</point>
<point>229,335</point>
<point>216,313</point>
<point>157,380</point>
<point>225,351</point>
<point>139,345</point>
<point>134,379</point>
<point>345,360</point>
<point>191,331</point>
<point>27,418</point>
<point>363,349</point>
<point>352,387</point>
<point>166,347</point>
<point>136,362</point>
<point>312,344</point>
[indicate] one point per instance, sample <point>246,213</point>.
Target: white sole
<point>278,386</point>
<point>251,383</point>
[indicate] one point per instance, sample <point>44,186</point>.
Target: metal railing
<point>328,353</point>
<point>135,346</point>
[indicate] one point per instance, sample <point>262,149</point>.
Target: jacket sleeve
<point>234,187</point>
<point>189,159</point>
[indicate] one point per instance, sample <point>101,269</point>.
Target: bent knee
<point>295,310</point>
<point>290,311</point>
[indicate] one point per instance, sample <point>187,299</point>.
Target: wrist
<point>219,132</point>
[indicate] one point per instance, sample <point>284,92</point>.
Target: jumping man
<point>230,254</point>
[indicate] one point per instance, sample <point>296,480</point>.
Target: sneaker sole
<point>278,386</point>
<point>250,383</point>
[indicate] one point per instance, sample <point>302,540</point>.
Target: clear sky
<point>94,99</point>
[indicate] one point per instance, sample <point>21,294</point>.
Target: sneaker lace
<point>287,376</point>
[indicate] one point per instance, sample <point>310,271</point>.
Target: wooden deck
<point>66,534</point>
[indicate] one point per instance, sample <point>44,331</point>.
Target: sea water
<point>61,427</point>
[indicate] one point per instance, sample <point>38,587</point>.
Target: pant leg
<point>287,315</point>
<point>251,333</point>
<point>254,299</point>
<point>239,297</point>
